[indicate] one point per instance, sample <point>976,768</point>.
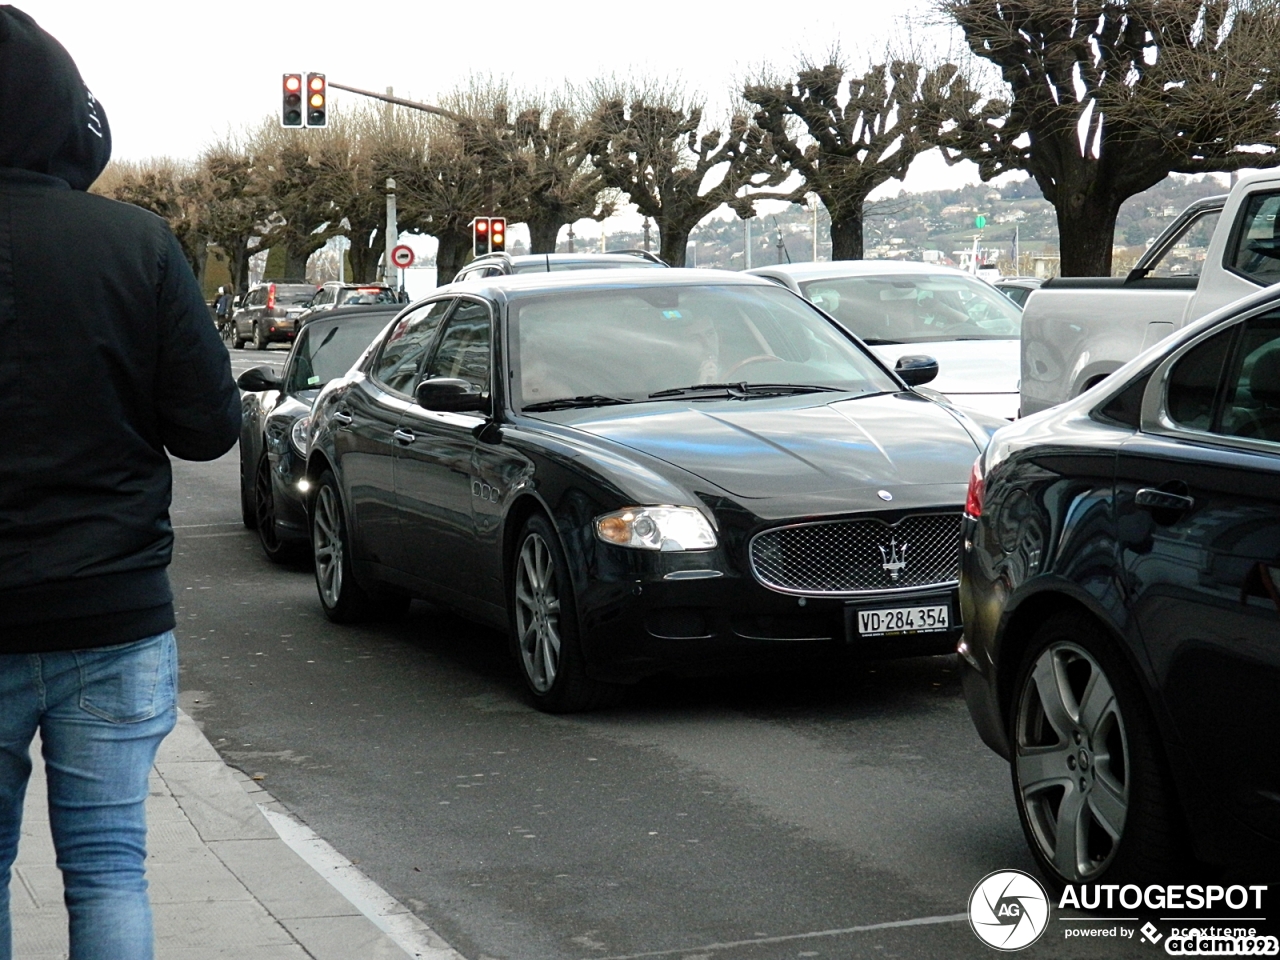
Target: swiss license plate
<point>933,618</point>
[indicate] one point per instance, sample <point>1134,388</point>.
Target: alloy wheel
<point>327,540</point>
<point>537,609</point>
<point>1071,761</point>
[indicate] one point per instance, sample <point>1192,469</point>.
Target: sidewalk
<point>223,882</point>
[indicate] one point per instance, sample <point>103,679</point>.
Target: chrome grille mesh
<point>856,556</point>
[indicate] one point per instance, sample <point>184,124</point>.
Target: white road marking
<point>389,915</point>
<point>888,925</point>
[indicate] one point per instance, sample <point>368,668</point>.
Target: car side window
<point>1193,382</point>
<point>464,346</point>
<point>1251,407</point>
<point>401,353</point>
<point>1255,251</point>
<point>1184,256</point>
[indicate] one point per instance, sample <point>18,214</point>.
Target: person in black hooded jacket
<point>108,364</point>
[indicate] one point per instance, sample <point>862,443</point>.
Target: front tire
<point>264,498</point>
<point>1095,802</point>
<point>343,600</point>
<point>544,625</point>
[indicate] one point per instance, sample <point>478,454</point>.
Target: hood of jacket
<point>49,121</point>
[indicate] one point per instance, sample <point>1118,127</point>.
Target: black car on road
<point>1121,605</point>
<point>640,472</point>
<point>507,264</point>
<point>276,407</point>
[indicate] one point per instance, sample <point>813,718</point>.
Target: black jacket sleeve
<point>197,400</point>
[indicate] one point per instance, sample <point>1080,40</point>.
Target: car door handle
<point>404,436</point>
<point>340,418</point>
<point>1152,499</point>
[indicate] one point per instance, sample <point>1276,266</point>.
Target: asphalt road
<point>836,813</point>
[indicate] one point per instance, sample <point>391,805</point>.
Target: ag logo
<point>1008,910</point>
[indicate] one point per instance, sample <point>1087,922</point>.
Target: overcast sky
<point>175,76</point>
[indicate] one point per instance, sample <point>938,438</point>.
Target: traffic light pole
<point>400,102</point>
<point>389,272</point>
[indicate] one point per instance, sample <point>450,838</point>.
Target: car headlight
<point>298,435</point>
<point>657,528</point>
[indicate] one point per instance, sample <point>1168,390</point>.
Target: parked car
<point>900,308</point>
<point>1078,330</point>
<point>269,313</point>
<point>276,408</point>
<point>333,294</point>
<point>1017,289</point>
<point>505,264</point>
<point>672,471</point>
<point>1121,603</point>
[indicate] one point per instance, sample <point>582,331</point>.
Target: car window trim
<point>444,326</point>
<point>1155,419</point>
<point>371,362</point>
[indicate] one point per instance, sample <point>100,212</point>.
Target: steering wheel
<point>758,358</point>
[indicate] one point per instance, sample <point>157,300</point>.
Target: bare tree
<point>1105,98</point>
<point>235,209</point>
<point>650,144</point>
<point>542,156</point>
<point>845,139</point>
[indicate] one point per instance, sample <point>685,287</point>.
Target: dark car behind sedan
<point>275,407</point>
<point>269,314</point>
<point>1121,600</point>
<point>639,472</point>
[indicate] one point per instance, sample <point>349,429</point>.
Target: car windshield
<point>294,293</point>
<point>327,350</point>
<point>917,309</point>
<point>628,343</point>
<point>631,263</point>
<point>366,295</point>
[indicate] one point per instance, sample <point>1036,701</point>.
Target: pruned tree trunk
<point>1086,234</point>
<point>363,255</point>
<point>295,264</point>
<point>451,255</point>
<point>674,240</point>
<point>543,234</point>
<point>846,236</point>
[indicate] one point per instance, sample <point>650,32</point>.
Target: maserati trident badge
<point>895,558</point>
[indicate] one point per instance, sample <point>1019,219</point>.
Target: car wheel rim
<point>1072,761</point>
<point>265,506</point>
<point>327,540</point>
<point>538,613</point>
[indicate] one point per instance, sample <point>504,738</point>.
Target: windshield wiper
<point>741,391</point>
<point>567,403</point>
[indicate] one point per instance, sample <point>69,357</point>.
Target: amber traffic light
<point>317,100</point>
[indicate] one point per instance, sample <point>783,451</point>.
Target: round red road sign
<point>402,256</point>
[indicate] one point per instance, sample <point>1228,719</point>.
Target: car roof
<point>517,260</point>
<point>338,314</point>
<point>514,286</point>
<point>832,269</point>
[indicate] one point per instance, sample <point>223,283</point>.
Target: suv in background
<point>504,264</point>
<point>269,313</point>
<point>334,293</point>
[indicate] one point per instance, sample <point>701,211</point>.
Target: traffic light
<point>291,106</point>
<point>497,234</point>
<point>480,236</point>
<point>317,101</point>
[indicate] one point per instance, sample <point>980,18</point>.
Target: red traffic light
<point>482,226</point>
<point>497,234</point>
<point>291,104</point>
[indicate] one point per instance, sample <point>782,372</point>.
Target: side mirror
<point>916,370</point>
<point>260,378</point>
<point>450,395</point>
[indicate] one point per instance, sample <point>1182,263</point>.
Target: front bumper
<point>681,615</point>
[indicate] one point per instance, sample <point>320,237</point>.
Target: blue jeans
<point>101,714</point>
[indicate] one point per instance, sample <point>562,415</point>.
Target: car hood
<point>797,446</point>
<point>964,366</point>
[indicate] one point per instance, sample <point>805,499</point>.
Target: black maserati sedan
<point>641,471</point>
<point>276,407</point>
<point>1120,593</point>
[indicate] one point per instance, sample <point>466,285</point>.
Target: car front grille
<point>859,556</point>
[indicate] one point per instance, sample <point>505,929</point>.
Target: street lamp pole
<point>392,236</point>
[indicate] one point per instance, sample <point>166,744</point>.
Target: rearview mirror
<point>916,370</point>
<point>259,378</point>
<point>451,395</point>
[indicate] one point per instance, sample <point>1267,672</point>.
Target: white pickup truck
<point>1076,331</point>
